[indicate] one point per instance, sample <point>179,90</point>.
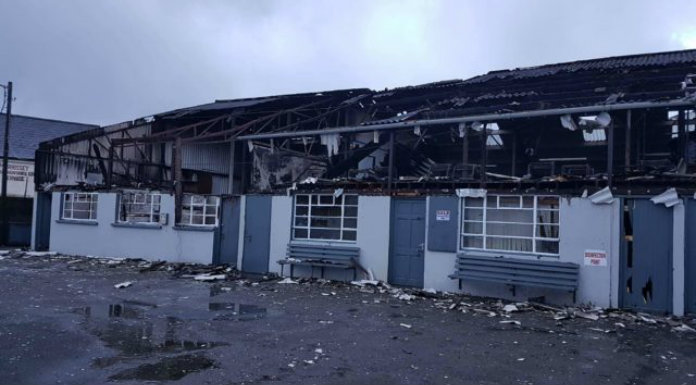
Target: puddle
<point>216,290</point>
<point>167,369</point>
<point>236,312</point>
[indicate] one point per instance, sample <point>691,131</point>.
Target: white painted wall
<point>678,259</point>
<point>583,226</point>
<point>372,237</point>
<point>105,240</point>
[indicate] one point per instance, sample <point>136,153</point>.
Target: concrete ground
<point>64,323</point>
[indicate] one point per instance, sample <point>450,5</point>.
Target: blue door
<point>257,234</point>
<point>646,258</point>
<point>42,227</point>
<point>690,255</point>
<point>407,246</point>
<point>228,232</point>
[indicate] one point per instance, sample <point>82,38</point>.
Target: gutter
<point>473,118</point>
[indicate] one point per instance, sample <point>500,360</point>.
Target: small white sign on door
<point>442,215</point>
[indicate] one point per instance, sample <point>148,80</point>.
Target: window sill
<point>194,228</point>
<point>77,222</point>
<point>151,226</point>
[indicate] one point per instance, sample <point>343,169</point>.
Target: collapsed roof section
<point>626,119</point>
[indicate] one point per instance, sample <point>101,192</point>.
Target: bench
<point>517,272</point>
<point>323,256</point>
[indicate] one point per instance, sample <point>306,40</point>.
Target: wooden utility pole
<point>5,161</point>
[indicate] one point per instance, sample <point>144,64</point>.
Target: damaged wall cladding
<point>102,239</point>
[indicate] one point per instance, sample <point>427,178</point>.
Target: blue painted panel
<point>443,214</point>
<point>406,257</point>
<point>228,233</point>
<point>690,255</point>
<point>646,261</point>
<point>257,234</point>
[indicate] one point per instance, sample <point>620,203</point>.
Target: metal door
<point>646,258</point>
<point>228,232</point>
<point>43,221</point>
<point>407,246</point>
<point>257,234</point>
<point>690,255</point>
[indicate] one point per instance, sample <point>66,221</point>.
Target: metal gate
<point>42,233</point>
<point>646,256</point>
<point>228,232</point>
<point>257,234</point>
<point>407,246</point>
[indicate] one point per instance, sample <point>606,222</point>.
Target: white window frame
<point>141,198</point>
<point>188,201</point>
<point>80,197</point>
<point>308,227</point>
<point>484,234</point>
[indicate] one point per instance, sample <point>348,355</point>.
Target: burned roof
<point>27,132</point>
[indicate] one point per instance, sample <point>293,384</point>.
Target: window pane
<point>517,230</point>
<point>550,247</point>
<point>509,201</point>
<point>473,227</point>
<point>300,233</point>
<point>350,223</point>
<point>325,234</point>
<point>473,214</point>
<point>510,215</point>
<point>326,199</point>
<point>328,211</point>
<point>547,202</point>
<point>547,231</point>
<point>510,244</point>
<point>209,220</point>
<point>302,199</point>
<point>351,211</point>
<point>473,202</point>
<point>349,235</point>
<point>299,210</point>
<point>528,202</point>
<point>544,216</point>
<point>301,221</point>
<point>326,222</point>
<point>351,199</point>
<point>469,241</point>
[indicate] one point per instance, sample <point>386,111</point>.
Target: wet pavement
<point>65,323</point>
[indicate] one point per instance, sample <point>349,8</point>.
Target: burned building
<point>570,181</point>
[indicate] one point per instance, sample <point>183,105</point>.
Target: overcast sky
<point>105,61</point>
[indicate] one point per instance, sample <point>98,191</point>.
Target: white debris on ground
<point>206,277</point>
<point>123,285</point>
<point>287,281</point>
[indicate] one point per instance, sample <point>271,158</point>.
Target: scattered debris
<point>287,280</point>
<point>207,277</point>
<point>123,285</point>
<point>407,326</point>
<point>684,328</point>
<point>515,322</point>
<point>510,308</point>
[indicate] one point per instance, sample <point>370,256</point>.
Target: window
<point>525,224</point>
<point>139,207</point>
<point>80,206</point>
<point>199,210</point>
<point>325,217</point>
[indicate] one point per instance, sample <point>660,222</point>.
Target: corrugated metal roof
<point>27,132</point>
<point>608,63</point>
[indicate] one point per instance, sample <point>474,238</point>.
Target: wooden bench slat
<point>531,284</point>
<point>540,280</point>
<point>519,261</point>
<point>506,265</point>
<point>522,273</point>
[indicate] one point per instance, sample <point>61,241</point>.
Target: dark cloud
<point>109,61</point>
